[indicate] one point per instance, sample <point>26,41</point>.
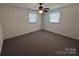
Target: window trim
<point>36,18</point>
<point>55,22</point>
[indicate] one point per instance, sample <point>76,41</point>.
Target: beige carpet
<point>40,43</point>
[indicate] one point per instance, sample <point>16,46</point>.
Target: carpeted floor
<point>40,43</point>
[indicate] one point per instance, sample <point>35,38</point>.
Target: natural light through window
<point>55,17</point>
<point>32,18</point>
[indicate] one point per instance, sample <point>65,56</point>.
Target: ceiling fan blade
<point>45,10</point>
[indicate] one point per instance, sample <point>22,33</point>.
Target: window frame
<point>29,18</point>
<point>59,17</point>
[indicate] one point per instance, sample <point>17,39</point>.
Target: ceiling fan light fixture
<point>41,11</point>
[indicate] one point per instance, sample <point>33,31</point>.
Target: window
<point>55,17</point>
<point>32,18</point>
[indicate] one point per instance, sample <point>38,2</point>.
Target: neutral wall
<point>1,34</point>
<point>15,21</point>
<point>69,22</point>
<point>1,38</point>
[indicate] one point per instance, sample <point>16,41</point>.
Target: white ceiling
<point>34,6</point>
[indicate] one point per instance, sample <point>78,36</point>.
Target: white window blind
<point>32,18</point>
<point>55,17</point>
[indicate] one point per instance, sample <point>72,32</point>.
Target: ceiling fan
<point>42,9</point>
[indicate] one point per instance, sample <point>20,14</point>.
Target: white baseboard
<point>63,34</point>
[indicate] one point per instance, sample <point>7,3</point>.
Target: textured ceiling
<point>34,6</point>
